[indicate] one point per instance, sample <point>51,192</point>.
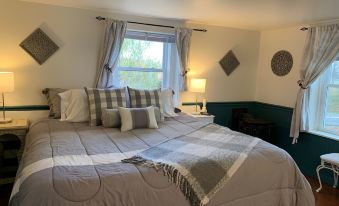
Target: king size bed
<point>74,164</point>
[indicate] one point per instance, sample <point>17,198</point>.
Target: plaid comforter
<point>199,163</point>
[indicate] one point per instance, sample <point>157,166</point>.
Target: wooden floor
<point>328,196</point>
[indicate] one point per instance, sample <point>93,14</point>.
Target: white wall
<point>207,49</point>
<point>271,88</point>
<point>78,34</point>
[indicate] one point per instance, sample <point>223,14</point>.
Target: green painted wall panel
<point>307,151</point>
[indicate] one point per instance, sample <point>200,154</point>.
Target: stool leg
<point>318,170</point>
<point>335,179</point>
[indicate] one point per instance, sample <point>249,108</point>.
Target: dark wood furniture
<point>12,139</point>
<point>244,122</point>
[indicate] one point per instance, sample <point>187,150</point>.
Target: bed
<point>74,164</point>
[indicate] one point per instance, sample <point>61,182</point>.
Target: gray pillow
<point>111,117</point>
<point>54,101</point>
<point>137,118</point>
<point>100,99</point>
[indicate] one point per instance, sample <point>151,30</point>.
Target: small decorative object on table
<point>197,86</point>
<point>6,85</point>
<point>12,141</point>
<point>204,108</point>
<point>330,162</point>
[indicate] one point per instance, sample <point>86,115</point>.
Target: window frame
<point>322,89</point>
<point>153,37</point>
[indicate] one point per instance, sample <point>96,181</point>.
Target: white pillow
<point>166,97</point>
<point>74,106</point>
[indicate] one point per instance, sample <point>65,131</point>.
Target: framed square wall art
<point>39,46</point>
<point>229,62</point>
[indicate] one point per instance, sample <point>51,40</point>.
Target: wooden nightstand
<point>12,141</point>
<point>205,118</point>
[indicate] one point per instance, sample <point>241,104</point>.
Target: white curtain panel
<point>322,48</point>
<point>115,32</point>
<point>183,42</point>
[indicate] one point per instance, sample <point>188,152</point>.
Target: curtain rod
<point>100,18</point>
<point>323,22</point>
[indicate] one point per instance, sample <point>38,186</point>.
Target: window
<point>325,99</point>
<point>148,61</point>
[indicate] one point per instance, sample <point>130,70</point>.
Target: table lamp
<point>6,85</point>
<point>197,86</point>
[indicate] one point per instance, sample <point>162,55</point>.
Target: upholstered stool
<point>331,162</point>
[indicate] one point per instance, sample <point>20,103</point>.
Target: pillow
<point>99,99</point>
<point>74,106</point>
<point>167,103</point>
<point>111,117</point>
<point>144,98</point>
<point>54,101</point>
<point>137,118</point>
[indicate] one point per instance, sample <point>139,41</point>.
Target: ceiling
<point>245,14</point>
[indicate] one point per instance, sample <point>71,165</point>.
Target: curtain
<point>183,42</point>
<point>322,47</point>
<point>172,74</point>
<point>115,32</point>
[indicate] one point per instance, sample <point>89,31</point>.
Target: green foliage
<point>333,101</point>
<point>133,55</point>
<point>141,80</point>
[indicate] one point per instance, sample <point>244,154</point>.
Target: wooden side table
<point>12,142</point>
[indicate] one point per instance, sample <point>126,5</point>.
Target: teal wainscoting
<point>27,108</point>
<point>309,147</point>
<point>305,153</point>
<point>223,110</point>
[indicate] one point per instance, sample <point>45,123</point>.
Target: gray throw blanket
<point>199,163</point>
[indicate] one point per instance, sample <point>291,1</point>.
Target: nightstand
<point>205,118</point>
<point>12,141</point>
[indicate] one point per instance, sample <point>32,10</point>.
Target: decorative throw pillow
<point>99,99</point>
<point>136,118</point>
<point>111,117</point>
<point>144,98</point>
<point>54,101</point>
<point>74,106</point>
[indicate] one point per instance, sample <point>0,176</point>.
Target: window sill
<point>325,134</point>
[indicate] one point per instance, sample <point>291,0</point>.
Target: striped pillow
<point>144,98</point>
<point>137,118</point>
<point>100,99</point>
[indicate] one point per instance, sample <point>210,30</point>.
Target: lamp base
<point>6,120</point>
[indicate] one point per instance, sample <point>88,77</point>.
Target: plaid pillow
<point>100,99</point>
<point>144,98</point>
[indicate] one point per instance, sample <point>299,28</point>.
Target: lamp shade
<point>6,82</point>
<point>197,85</point>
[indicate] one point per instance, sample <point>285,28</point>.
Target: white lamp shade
<point>6,82</point>
<point>197,85</point>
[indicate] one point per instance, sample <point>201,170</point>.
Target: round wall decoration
<point>282,63</point>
